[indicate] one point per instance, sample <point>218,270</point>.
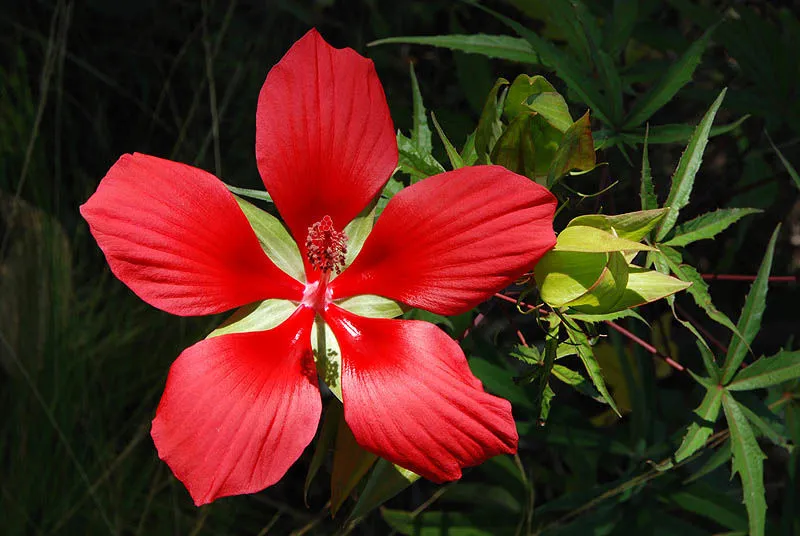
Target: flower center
<point>326,246</point>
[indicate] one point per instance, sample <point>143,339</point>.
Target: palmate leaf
<point>698,432</point>
<point>689,164</point>
<point>668,85</point>
<point>750,319</point>
<point>748,463</point>
<point>502,47</point>
<point>708,225</point>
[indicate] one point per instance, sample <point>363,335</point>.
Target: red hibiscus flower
<point>240,408</point>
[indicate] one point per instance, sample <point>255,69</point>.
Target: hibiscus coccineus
<point>240,408</point>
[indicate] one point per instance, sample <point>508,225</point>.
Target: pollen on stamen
<point>326,247</point>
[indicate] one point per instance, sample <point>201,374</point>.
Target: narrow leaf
<point>489,126</point>
<point>750,319</point>
<point>678,75</point>
<point>786,164</point>
<point>768,371</point>
<point>699,431</point>
<point>325,441</point>
<point>275,239</point>
<point>503,47</point>
<point>708,225</point>
<point>350,464</point>
<point>414,162</point>
<point>420,131</point>
<point>748,462</point>
<point>385,481</point>
<point>586,355</point>
<point>452,154</point>
<point>683,178</point>
<point>679,133</point>
<point>647,192</point>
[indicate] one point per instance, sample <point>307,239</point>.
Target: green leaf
<point>385,481</point>
<point>576,380</point>
<point>536,94</point>
<point>767,423</point>
<point>489,125</point>
<point>515,148</point>
<point>608,290</point>
<point>709,361</point>
<point>717,460</point>
<point>699,292</point>
<point>420,131</point>
<point>630,226</point>
<point>503,47</point>
<point>678,75</point>
<point>275,240</point>
<point>750,319</point>
<point>357,232</point>
<point>767,371</point>
<point>452,154</point>
<point>350,465</point>
<point>527,354</point>
<point>261,195</point>
<point>563,276</point>
<point>577,79</point>
<point>372,306</point>
<point>543,393</point>
<point>646,191</point>
<point>646,286</point>
<point>619,29</point>
<point>748,462</point>
<point>786,164</point>
<point>259,316</point>
<point>698,432</point>
<point>413,161</point>
<point>325,442</point>
<point>575,152</point>
<point>705,500</point>
<point>586,355</point>
<point>595,318</point>
<point>327,356</point>
<point>708,225</point>
<point>679,133</point>
<point>580,238</point>
<point>683,178</point>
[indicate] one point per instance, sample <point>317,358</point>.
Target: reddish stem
<point>739,277</point>
<point>646,345</point>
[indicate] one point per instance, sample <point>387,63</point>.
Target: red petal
<point>176,236</point>
<point>325,141</point>
<point>239,409</point>
<point>451,241</point>
<point>410,397</point>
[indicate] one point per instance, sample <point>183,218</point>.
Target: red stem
<point>738,277</point>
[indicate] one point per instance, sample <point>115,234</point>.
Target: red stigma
<point>326,246</point>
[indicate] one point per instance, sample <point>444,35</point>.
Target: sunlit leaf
<point>563,276</point>
<point>708,225</point>
<point>689,164</point>
<point>767,371</point>
<point>581,238</point>
<point>503,47</point>
<point>750,320</point>
<point>706,416</point>
<point>575,152</point>
<point>748,462</point>
<point>259,316</point>
<point>630,226</point>
<point>275,239</point>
